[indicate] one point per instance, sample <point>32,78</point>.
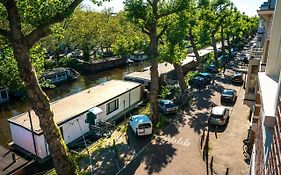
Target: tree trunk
<point>222,40</point>
<point>154,86</point>
<point>39,101</point>
<point>180,77</point>
<point>195,50</point>
<point>215,48</point>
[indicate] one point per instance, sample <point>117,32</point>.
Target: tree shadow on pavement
<point>198,122</point>
<point>173,128</point>
<point>155,157</point>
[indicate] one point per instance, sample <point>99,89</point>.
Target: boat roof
<point>55,71</point>
<point>141,118</point>
<point>76,104</point>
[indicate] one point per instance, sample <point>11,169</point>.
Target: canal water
<point>15,107</point>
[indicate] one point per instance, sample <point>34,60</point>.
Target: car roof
<point>204,74</point>
<point>218,110</point>
<point>237,74</point>
<point>141,118</point>
<point>198,78</point>
<point>228,90</point>
<point>165,101</point>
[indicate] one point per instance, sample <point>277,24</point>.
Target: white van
<point>141,125</point>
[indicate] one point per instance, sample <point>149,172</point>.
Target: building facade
<point>266,155</point>
<point>259,50</point>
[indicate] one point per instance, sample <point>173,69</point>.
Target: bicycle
<point>247,150</point>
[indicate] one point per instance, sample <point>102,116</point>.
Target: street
<point>177,150</point>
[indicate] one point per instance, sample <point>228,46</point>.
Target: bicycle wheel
<point>245,149</point>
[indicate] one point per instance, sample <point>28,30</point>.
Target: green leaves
<point>9,74</point>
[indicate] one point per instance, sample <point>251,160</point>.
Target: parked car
<point>141,125</point>
<point>228,95</point>
<point>222,60</point>
<point>206,76</point>
<point>197,82</point>
<point>237,78</point>
<point>167,106</point>
<point>219,115</point>
<point>212,68</point>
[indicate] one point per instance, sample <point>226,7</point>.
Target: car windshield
<point>227,92</point>
<point>169,105</point>
<point>144,125</point>
<point>216,116</point>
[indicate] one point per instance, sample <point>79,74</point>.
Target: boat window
<point>144,126</point>
<point>112,106</point>
<point>4,95</point>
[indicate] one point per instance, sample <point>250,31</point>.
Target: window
<point>112,106</point>
<point>4,95</point>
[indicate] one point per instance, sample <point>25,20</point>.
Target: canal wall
<point>97,66</point>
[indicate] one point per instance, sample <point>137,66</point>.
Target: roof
<point>218,110</point>
<point>78,103</point>
<point>55,71</point>
<point>163,68</point>
<point>141,119</point>
<point>8,165</point>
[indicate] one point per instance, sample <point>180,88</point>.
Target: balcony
<point>268,87</point>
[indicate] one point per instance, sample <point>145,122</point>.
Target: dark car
<point>237,78</point>
<point>212,68</point>
<point>167,106</point>
<point>228,95</point>
<point>197,82</point>
<point>206,76</point>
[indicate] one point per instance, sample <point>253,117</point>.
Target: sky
<point>250,7</point>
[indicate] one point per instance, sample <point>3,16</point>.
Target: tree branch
<point>5,33</point>
<point>44,29</point>
<point>145,30</point>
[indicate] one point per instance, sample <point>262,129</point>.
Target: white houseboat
<point>108,102</point>
<point>59,75</point>
<point>4,95</point>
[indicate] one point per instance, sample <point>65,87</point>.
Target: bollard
<point>211,165</point>
<point>226,171</point>
<point>216,134</point>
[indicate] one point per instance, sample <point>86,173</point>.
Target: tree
<point>9,75</point>
<point>29,21</point>
<point>214,14</point>
<point>174,48</point>
<point>150,16</point>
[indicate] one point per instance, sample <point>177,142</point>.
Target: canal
<point>15,107</point>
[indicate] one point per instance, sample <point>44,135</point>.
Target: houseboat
<point>106,102</point>
<point>59,75</point>
<point>138,56</point>
<point>4,95</point>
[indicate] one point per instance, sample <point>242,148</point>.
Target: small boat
<point>59,75</point>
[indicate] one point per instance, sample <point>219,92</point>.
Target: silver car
<point>219,115</point>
